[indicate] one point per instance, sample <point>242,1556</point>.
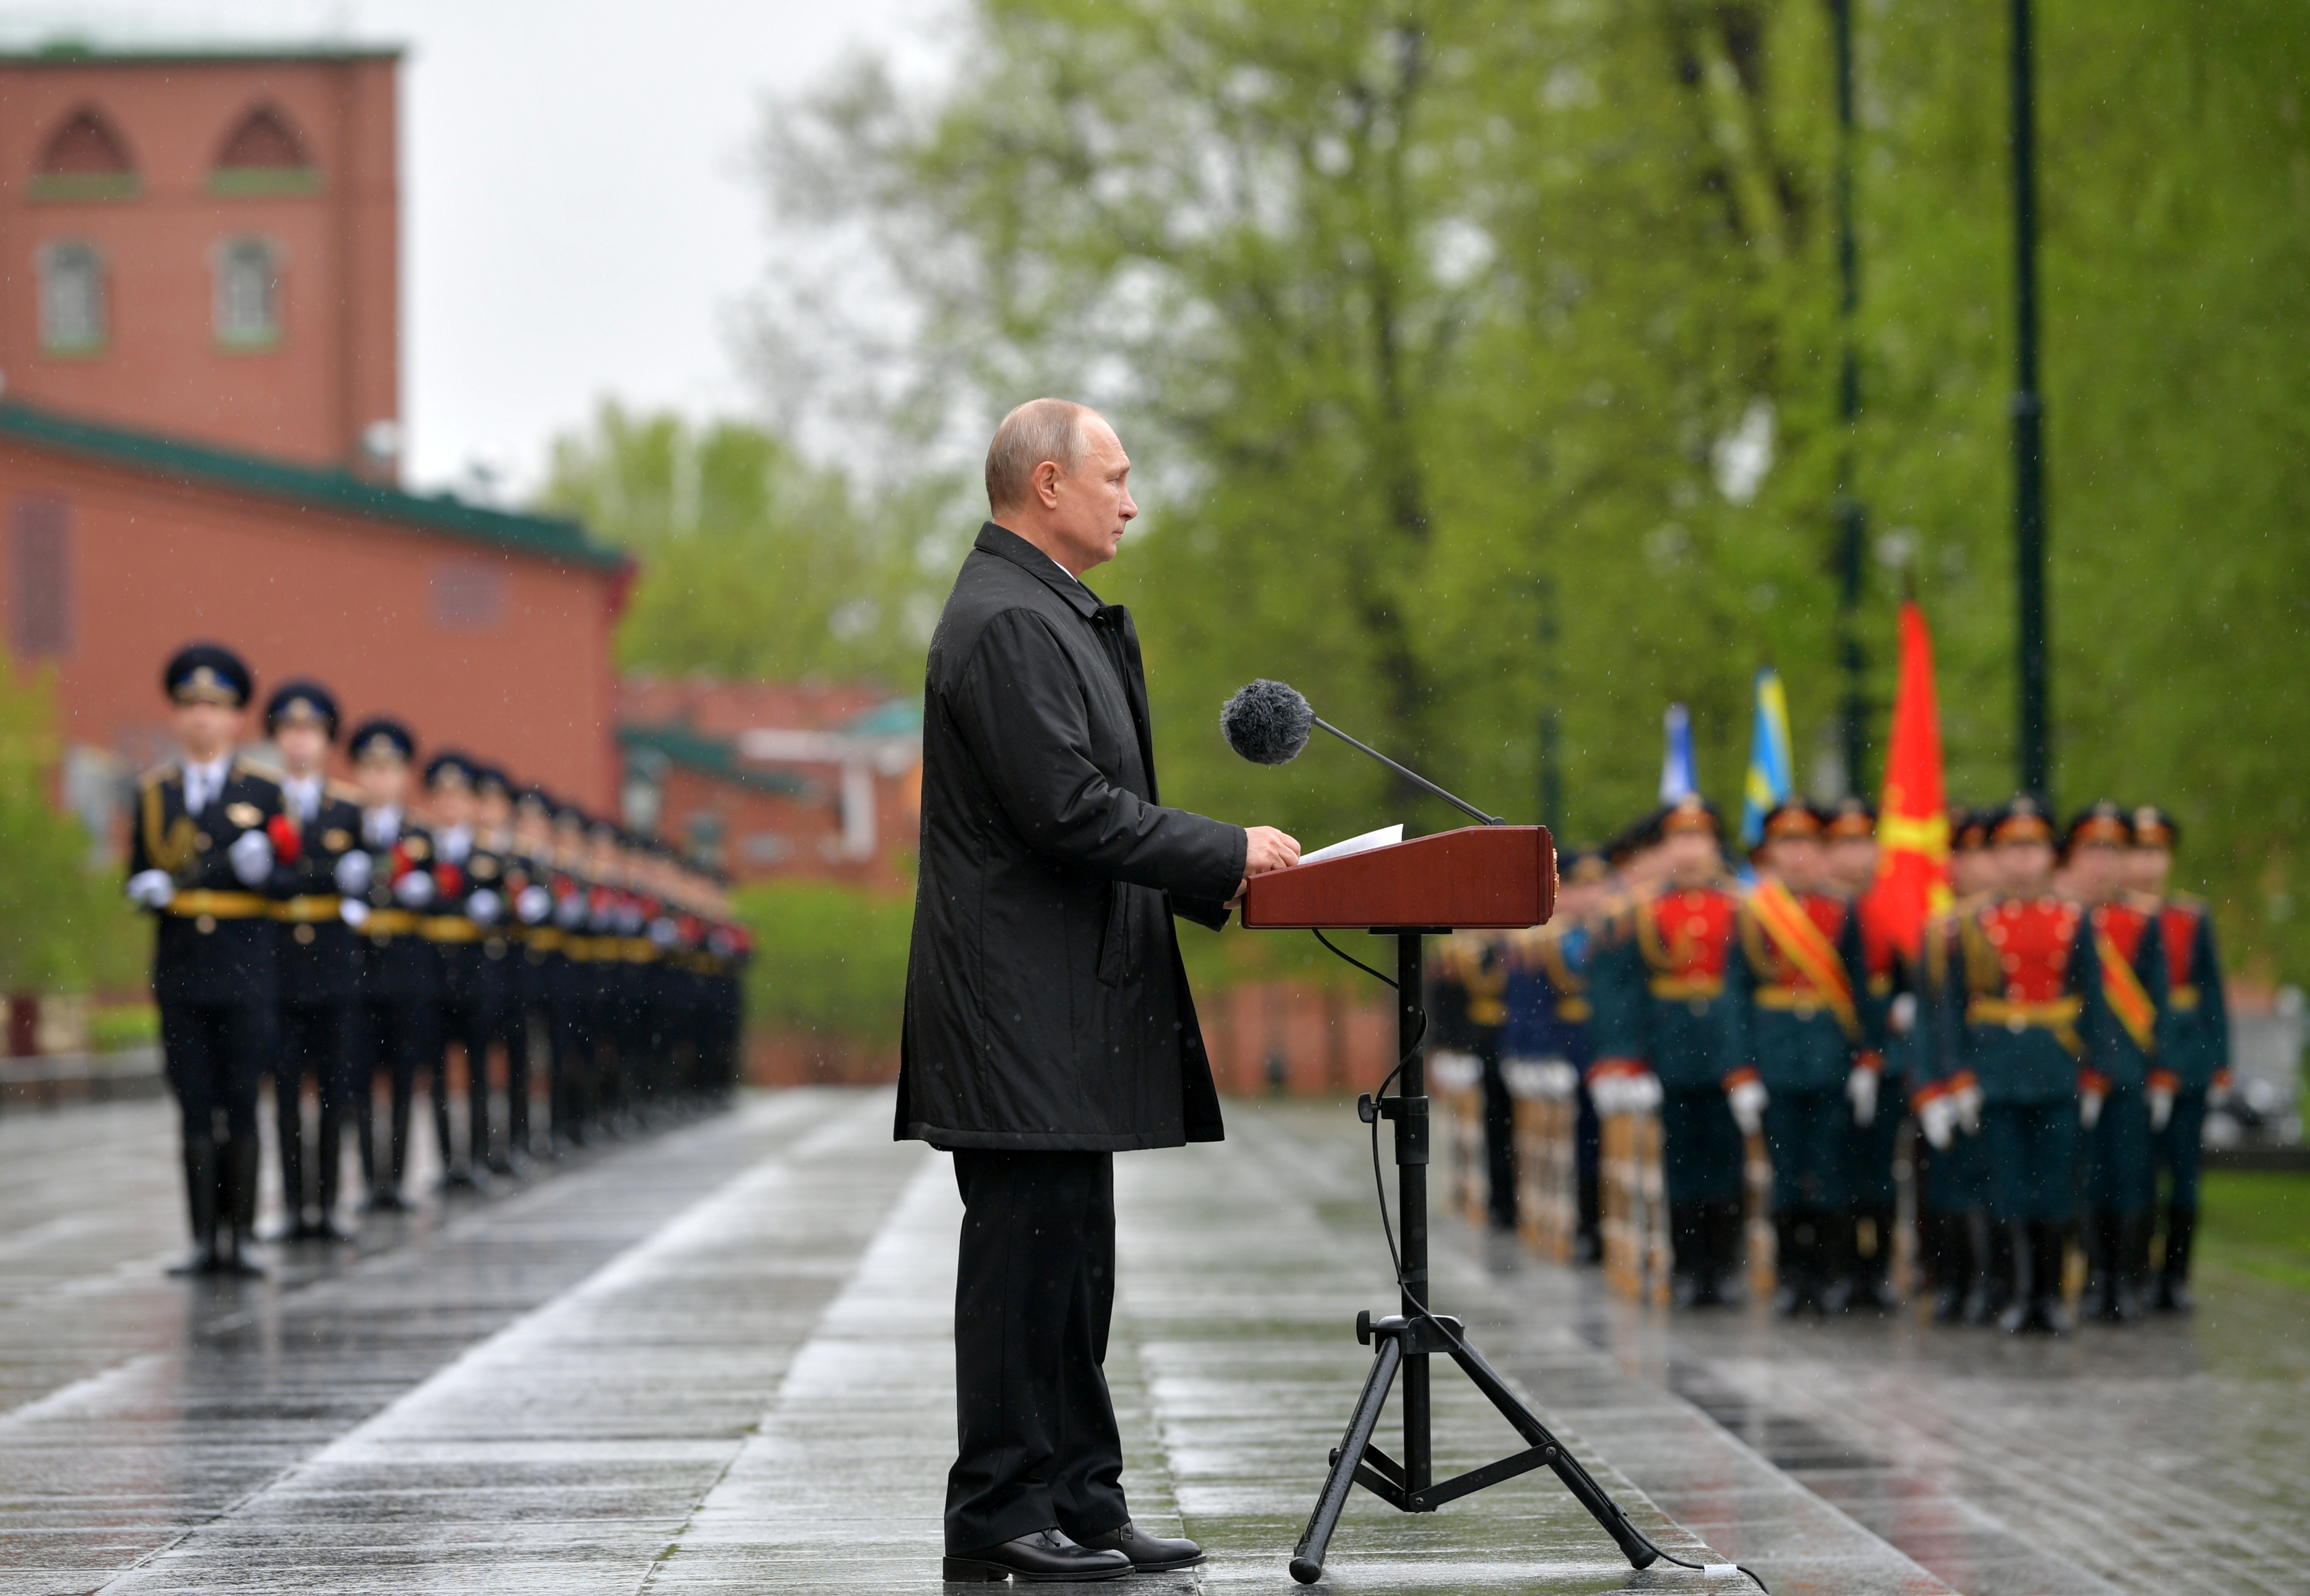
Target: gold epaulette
<point>344,792</point>
<point>159,774</point>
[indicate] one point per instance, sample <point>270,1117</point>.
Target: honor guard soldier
<point>401,980</point>
<point>2029,966</point>
<point>2123,1031</point>
<point>1953,1228</point>
<point>519,980</point>
<point>1798,1028</point>
<point>1849,865</point>
<point>612,920</point>
<point>463,924</point>
<point>574,1013</point>
<point>1547,1038</point>
<point>202,857</point>
<point>732,948</point>
<point>542,970</point>
<point>1662,1013</point>
<point>328,873</point>
<point>2195,1051</point>
<point>1470,986</point>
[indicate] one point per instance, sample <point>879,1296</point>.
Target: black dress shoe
<point>1149,1554</point>
<point>1045,1556</point>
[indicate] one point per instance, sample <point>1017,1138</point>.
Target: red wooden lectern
<point>1478,878</point>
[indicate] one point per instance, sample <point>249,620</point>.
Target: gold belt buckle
<point>205,923</point>
<point>303,933</point>
<point>2015,1024</point>
<point>1806,1010</point>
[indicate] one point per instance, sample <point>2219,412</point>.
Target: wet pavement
<point>717,1358</point>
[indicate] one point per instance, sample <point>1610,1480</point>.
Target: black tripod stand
<point>1406,1341</point>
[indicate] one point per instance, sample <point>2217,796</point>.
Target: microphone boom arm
<point>1411,775</point>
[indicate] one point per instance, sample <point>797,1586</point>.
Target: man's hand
<point>1264,849</point>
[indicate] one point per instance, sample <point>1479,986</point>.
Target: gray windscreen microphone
<point>1268,723</point>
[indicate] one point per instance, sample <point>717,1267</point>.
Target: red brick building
<point>199,331</point>
<point>778,781</point>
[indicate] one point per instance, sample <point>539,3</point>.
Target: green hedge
<point>828,960</point>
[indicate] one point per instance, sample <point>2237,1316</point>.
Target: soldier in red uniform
<point>1662,1013</point>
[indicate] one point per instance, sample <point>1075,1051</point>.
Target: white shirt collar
<point>202,783</point>
<point>383,825</point>
<point>304,793</point>
<point>455,844</point>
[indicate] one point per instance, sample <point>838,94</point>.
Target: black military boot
<point>328,1164</point>
<point>1688,1265</point>
<point>1983,1280</point>
<point>2007,1259</point>
<point>2173,1274</point>
<point>2022,1289</point>
<point>2043,1310</point>
<point>1789,1293</point>
<point>2127,1271</point>
<point>2102,1266</point>
<point>201,1205</point>
<point>1833,1249</point>
<point>236,1224</point>
<point>1872,1276</point>
<point>1729,1252</point>
<point>1953,1265</point>
<point>289,1121</point>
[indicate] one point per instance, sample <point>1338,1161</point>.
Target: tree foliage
<point>64,924</point>
<point>1454,338</point>
<point>755,563</point>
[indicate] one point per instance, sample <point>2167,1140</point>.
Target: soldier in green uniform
<point>2027,968</point>
<point>2123,1019</point>
<point>2194,1049</point>
<point>320,957</point>
<point>1953,1173</point>
<point>202,860</point>
<point>1797,1028</point>
<point>1849,870</point>
<point>1661,1016</point>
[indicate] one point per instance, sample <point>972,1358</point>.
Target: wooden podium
<point>1477,878</point>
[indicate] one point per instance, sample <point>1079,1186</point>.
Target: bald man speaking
<point>1049,1023</point>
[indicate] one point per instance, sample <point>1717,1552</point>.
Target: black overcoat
<point>1047,1008</point>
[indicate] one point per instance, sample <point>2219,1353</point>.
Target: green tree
<point>1416,312</point>
<point>64,926</point>
<point>755,563</point>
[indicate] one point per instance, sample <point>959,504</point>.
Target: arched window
<point>262,155</point>
<point>72,298</point>
<point>84,158</point>
<point>247,293</point>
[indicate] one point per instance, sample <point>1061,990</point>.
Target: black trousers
<point>1499,1139</point>
<point>1032,1301</point>
<point>393,1036</point>
<point>473,1001</point>
<point>315,1043</point>
<point>214,1053</point>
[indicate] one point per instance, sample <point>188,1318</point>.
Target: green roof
<point>893,719</point>
<point>66,50</point>
<point>710,756</point>
<point>544,537</point>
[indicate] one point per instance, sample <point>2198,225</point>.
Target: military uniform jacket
<point>1547,1006</point>
<point>397,964</point>
<point>1798,1019</point>
<point>1660,993</point>
<point>320,956</point>
<point>2125,1004</point>
<point>2195,1044</point>
<point>215,940</point>
<point>468,916</point>
<point>2024,973</point>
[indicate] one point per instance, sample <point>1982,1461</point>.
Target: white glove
<point>533,903</point>
<point>2161,1106</point>
<point>353,912</point>
<point>1559,1082</point>
<point>570,912</point>
<point>2089,1109</point>
<point>665,931</point>
<point>1454,1071</point>
<point>1938,1119</point>
<point>483,907</point>
<point>415,889</point>
<point>352,874</point>
<point>1748,1100</point>
<point>1860,1086</point>
<point>152,888</point>
<point>1643,1093</point>
<point>252,857</point>
<point>1968,1109</point>
<point>1902,1017</point>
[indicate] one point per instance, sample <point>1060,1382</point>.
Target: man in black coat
<point>1048,1022</point>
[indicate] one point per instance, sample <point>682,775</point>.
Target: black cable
<point>1395,1261</point>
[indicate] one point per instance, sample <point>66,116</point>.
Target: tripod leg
<point>1307,1557</point>
<point>1607,1513</point>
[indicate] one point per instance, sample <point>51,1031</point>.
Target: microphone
<point>1268,723</point>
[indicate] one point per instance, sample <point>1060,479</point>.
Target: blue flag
<point>1677,779</point>
<point>1769,781</point>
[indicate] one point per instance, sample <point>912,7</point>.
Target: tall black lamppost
<point>2033,761</point>
<point>1851,516</point>
<point>1551,769</point>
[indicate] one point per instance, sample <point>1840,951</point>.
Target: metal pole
<point>1552,773</point>
<point>1851,516</point>
<point>1411,1202</point>
<point>2033,759</point>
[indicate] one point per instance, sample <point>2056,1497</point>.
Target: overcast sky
<point>578,217</point>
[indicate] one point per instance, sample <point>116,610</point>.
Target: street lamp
<point>2033,754</point>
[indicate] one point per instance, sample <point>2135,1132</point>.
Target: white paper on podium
<point>1382,837</point>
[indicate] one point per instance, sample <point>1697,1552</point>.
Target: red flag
<point>1913,829</point>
